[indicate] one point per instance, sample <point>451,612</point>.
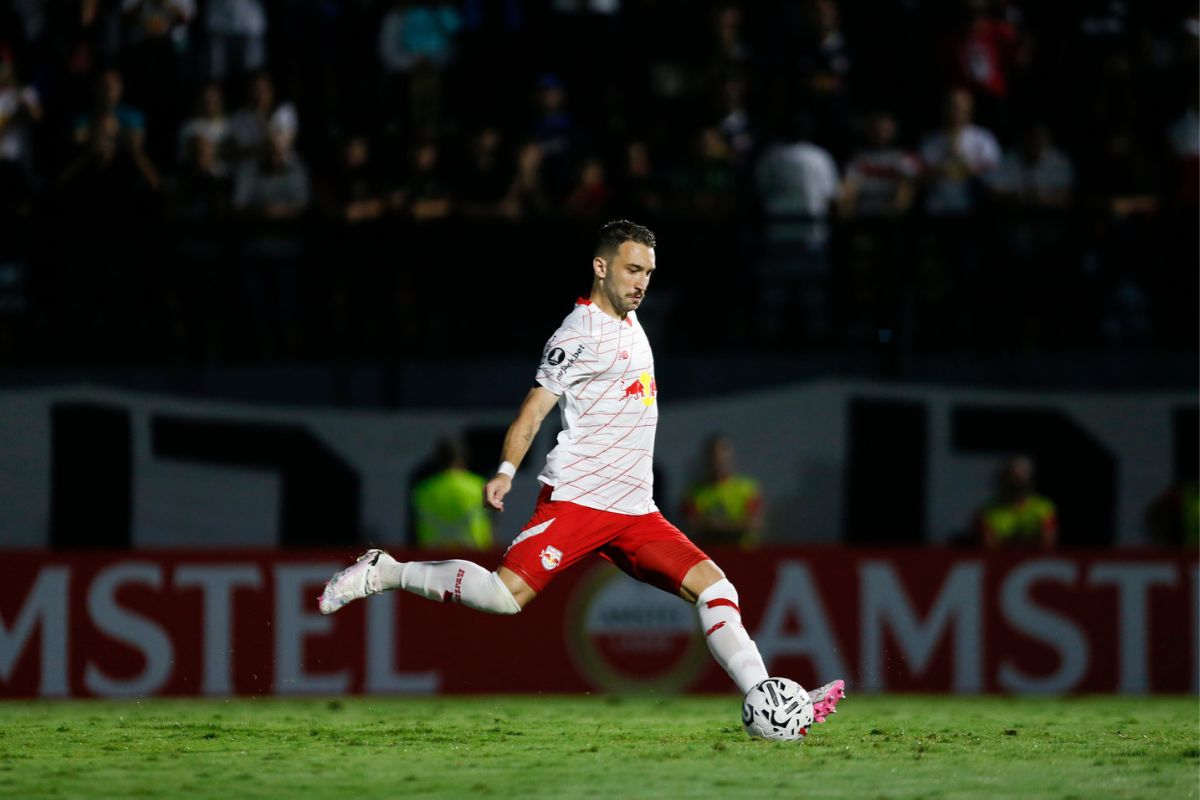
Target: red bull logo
<point>551,558</point>
<point>645,388</point>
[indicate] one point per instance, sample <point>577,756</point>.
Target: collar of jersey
<point>583,301</point>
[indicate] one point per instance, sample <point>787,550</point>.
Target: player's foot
<point>826,698</point>
<point>356,581</point>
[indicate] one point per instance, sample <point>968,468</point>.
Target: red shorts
<point>559,533</point>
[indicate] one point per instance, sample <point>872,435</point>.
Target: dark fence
<point>96,284</point>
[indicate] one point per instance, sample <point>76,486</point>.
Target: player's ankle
<point>390,572</point>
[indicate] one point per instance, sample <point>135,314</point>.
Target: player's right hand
<point>494,491</point>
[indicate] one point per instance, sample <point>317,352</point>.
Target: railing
<point>79,288</point>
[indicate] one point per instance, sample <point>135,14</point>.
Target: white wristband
<point>507,468</point>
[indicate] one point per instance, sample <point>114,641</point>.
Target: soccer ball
<point>777,709</point>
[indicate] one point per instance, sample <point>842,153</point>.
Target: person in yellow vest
<point>1173,518</point>
<point>446,506</point>
<point>1016,516</point>
<point>723,508</point>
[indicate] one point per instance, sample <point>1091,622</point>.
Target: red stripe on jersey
<point>715,628</point>
<point>723,601</point>
<point>583,301</point>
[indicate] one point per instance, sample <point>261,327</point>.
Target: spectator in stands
<point>486,176</point>
<point>723,507</point>
<point>554,131</point>
<point>272,193</point>
<point>448,505</point>
<point>357,194</point>
<point>237,36</point>
<point>1037,175</point>
<point>416,44</point>
<point>639,189</point>
<point>274,186</point>
<point>823,64</point>
<point>981,53</point>
<point>1183,133</point>
<point>729,50</point>
<point>528,196</point>
<point>426,195</point>
<point>109,105</point>
<point>734,122</point>
<point>20,111</point>
<point>706,186</point>
<point>202,193</point>
<point>589,198</point>
<point>1016,516</point>
<point>1037,295</point>
<point>797,182</point>
<point>956,162</point>
<point>880,178</point>
<point>878,190</point>
<point>200,201</point>
<point>210,123</point>
<point>155,43</point>
<point>112,172</point>
<point>1173,518</point>
<point>956,158</point>
<point>251,126</point>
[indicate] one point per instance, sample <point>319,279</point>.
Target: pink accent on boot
<point>826,698</point>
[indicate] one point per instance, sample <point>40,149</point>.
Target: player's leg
<point>458,581</point>
<point>656,552</point>
<point>717,601</point>
<point>556,536</point>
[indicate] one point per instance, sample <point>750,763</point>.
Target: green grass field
<point>564,747</point>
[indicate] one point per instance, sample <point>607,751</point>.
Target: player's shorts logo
<point>551,558</point>
<point>645,388</point>
<point>555,357</point>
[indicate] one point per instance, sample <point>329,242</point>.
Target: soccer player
<point>596,485</point>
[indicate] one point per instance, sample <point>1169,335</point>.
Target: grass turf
<point>564,747</point>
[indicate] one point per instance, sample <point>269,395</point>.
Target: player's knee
<point>512,593</point>
<point>701,578</point>
<point>719,592</point>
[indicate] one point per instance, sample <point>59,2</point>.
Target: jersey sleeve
<point>568,358</point>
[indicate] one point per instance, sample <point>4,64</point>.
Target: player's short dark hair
<point>613,234</point>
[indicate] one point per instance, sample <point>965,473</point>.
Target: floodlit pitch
<point>565,747</point>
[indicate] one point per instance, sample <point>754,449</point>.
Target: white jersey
<point>603,372</point>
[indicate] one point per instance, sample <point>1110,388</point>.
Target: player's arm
<point>517,441</point>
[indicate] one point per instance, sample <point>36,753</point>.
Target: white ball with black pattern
<point>778,709</point>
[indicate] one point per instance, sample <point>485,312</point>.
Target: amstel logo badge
<point>627,636</point>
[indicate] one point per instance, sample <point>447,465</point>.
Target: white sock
<point>731,646</point>
<point>449,582</point>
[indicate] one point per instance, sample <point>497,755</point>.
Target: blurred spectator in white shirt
<point>796,181</point>
<point>20,110</point>
<point>956,158</point>
<point>1036,175</point>
<point>274,186</point>
<point>237,32</point>
<point>210,123</point>
<point>249,127</point>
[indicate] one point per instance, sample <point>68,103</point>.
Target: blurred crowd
<point>216,179</point>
